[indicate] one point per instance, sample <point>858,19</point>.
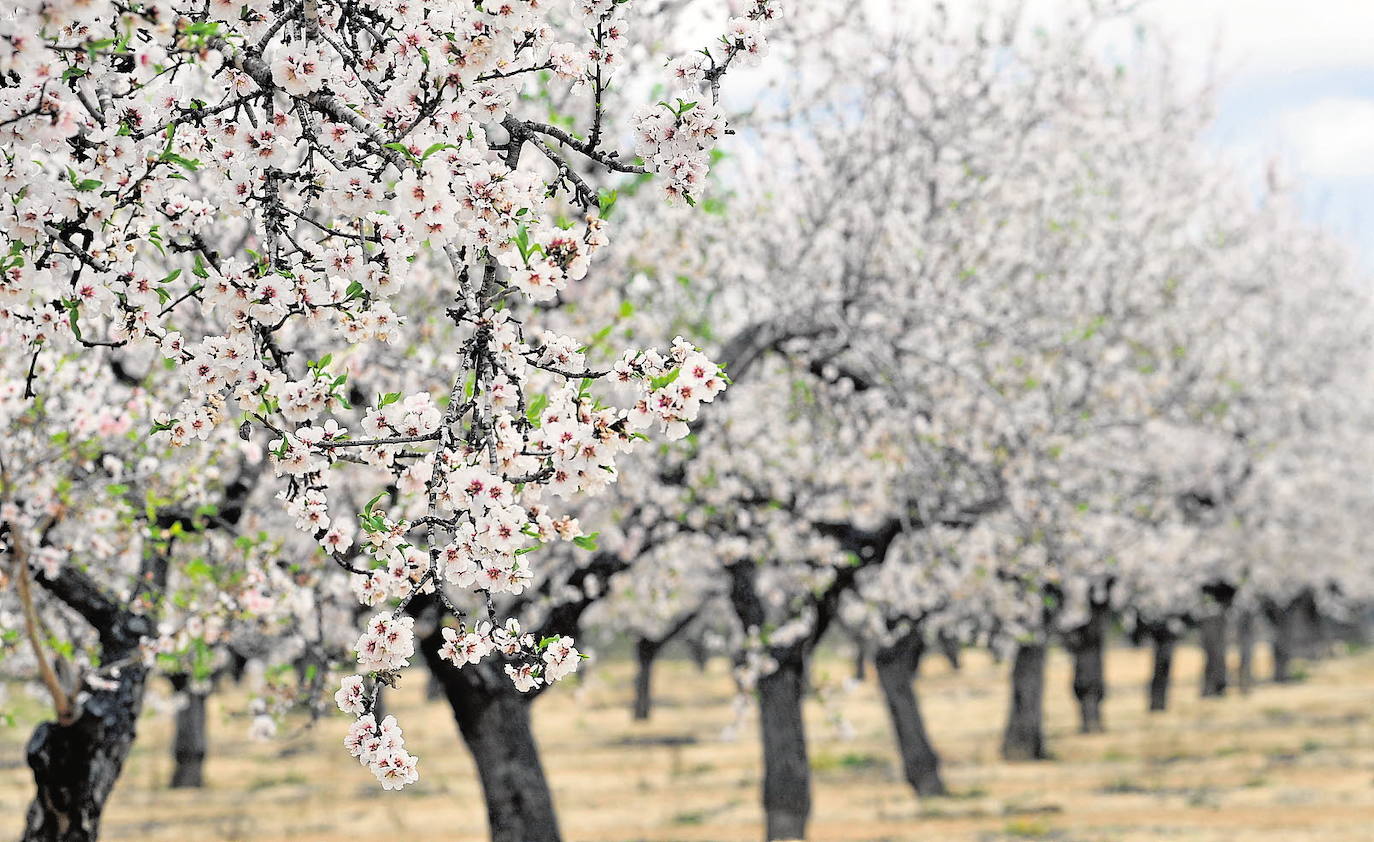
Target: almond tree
<point>260,194</point>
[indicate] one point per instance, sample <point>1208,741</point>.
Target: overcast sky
<point>1297,83</point>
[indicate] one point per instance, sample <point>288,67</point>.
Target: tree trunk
<point>1213,633</point>
<point>1282,621</point>
<point>697,651</point>
<point>1164,661</point>
<point>646,651</point>
<point>897,665</point>
<point>75,766</point>
<point>1245,644</point>
<point>238,665</point>
<point>1089,670</point>
<point>786,771</point>
<point>191,739</point>
<point>494,720</point>
<point>949,646</point>
<point>860,662</point>
<point>1025,737</point>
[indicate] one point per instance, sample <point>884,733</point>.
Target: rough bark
<point>75,765</point>
<point>1163,664</point>
<point>494,720</point>
<point>1024,738</point>
<point>191,739</point>
<point>1089,670</point>
<point>786,770</point>
<point>897,665</point>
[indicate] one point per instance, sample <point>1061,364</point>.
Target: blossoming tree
<point>266,196</point>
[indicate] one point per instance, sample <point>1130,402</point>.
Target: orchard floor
<point>1290,763</point>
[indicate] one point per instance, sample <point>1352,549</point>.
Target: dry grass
<point>1285,763</point>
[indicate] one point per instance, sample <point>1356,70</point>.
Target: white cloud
<point>1265,36</point>
<point>1331,138</point>
<point>1247,37</point>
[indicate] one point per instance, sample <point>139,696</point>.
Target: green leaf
<point>606,200</point>
<point>657,383</point>
<point>367,510</point>
<point>535,409</point>
<point>404,150</point>
<point>170,157</point>
<point>587,542</point>
<point>437,147</point>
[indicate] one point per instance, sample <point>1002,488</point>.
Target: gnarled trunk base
<point>75,766</point>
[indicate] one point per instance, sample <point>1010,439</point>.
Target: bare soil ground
<point>1283,764</point>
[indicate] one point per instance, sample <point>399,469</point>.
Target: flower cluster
<point>381,748</point>
<point>386,643</point>
<point>247,192</point>
<point>675,142</point>
<point>675,139</point>
<point>677,386</point>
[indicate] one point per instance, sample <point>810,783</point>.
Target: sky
<point>1296,85</point>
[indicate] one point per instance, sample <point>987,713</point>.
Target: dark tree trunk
<point>191,740</point>
<point>494,719</point>
<point>1089,669</point>
<point>897,665</point>
<point>1164,661</point>
<point>646,651</point>
<point>697,651</point>
<point>1245,645</point>
<point>786,771</point>
<point>1212,630</point>
<point>949,646</point>
<point>75,764</point>
<point>1285,621</point>
<point>1213,634</point>
<point>1283,657</point>
<point>860,661</point>
<point>1025,736</point>
<point>238,665</point>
